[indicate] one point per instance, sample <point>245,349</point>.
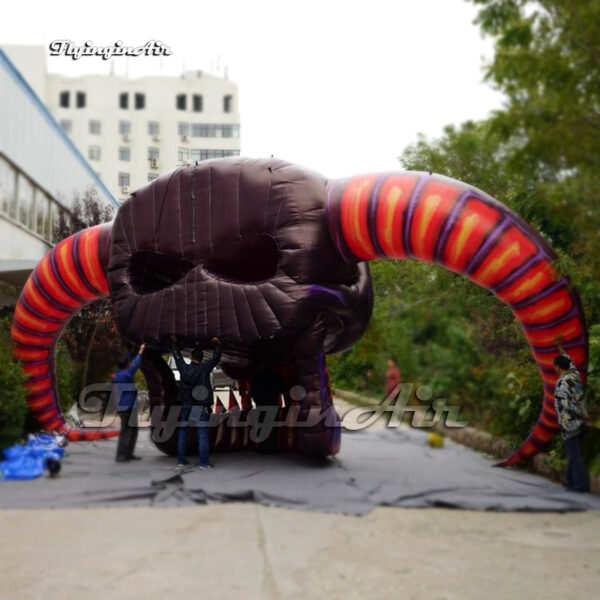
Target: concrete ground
<point>252,551</point>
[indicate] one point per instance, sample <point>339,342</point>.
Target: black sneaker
<point>134,457</point>
<point>206,467</point>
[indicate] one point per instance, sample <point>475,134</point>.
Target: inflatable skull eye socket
<point>151,272</point>
<point>249,259</point>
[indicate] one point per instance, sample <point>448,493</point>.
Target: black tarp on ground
<point>374,468</point>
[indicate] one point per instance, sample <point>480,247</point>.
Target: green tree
<point>547,63</point>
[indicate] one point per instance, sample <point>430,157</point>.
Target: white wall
<point>16,243</point>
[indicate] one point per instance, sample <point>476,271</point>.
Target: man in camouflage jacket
<point>572,417</point>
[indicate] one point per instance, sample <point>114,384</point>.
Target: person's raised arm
<point>136,362</point>
<point>561,349</point>
<point>214,361</point>
<point>181,364</point>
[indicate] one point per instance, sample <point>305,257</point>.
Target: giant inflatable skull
<point>272,258</point>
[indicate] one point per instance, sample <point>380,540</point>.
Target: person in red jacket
<point>393,377</point>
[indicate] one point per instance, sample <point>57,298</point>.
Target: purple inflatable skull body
<point>237,249</point>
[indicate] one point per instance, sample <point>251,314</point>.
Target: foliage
<point>547,62</point>
<point>83,213</point>
<point>13,406</point>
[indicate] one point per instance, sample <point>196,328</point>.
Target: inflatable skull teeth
<point>272,259</point>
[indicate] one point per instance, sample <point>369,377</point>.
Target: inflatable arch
<point>273,259</point>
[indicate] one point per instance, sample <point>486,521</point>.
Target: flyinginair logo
<point>68,48</point>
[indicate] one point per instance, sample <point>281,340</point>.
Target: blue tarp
<point>28,461</point>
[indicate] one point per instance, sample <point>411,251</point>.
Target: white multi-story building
<point>42,173</point>
<point>132,130</point>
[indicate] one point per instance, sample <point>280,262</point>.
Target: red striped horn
<point>439,220</point>
<point>70,276</point>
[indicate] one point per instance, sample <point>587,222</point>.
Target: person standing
<point>127,406</point>
<point>196,397</point>
<point>393,377</point>
<point>572,417</point>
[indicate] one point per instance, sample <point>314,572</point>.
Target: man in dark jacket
<point>126,393</point>
<point>196,397</point>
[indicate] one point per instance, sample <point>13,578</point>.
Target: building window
<point>202,154</point>
<point>31,216</point>
<point>227,103</point>
<point>152,176</point>
<point>22,200</point>
<point>228,131</point>
<point>124,153</point>
<point>124,100</point>
<point>95,127</point>
<point>124,127</point>
<point>181,101</point>
<point>183,129</point>
<point>152,153</point>
<point>183,155</point>
<point>36,195</point>
<point>52,231</point>
<point>8,189</point>
<point>197,103</point>
<point>153,128</point>
<point>231,131</point>
<point>66,125</point>
<point>25,193</point>
<point>63,99</point>
<point>140,101</point>
<point>42,205</point>
<point>123,180</point>
<point>94,152</point>
<point>80,100</point>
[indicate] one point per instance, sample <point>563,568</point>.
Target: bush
<point>13,405</point>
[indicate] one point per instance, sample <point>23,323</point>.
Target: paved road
<point>250,551</point>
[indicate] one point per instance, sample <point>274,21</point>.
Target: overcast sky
<point>341,87</point>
